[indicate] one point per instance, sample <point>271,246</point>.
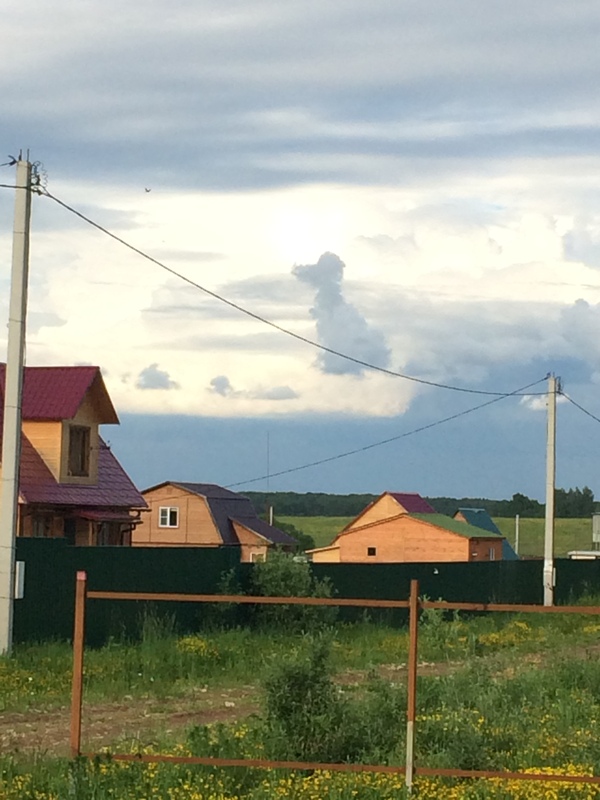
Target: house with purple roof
<point>70,483</point>
<point>399,528</point>
<point>206,515</point>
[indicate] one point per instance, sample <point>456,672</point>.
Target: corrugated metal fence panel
<point>499,581</point>
<point>575,579</point>
<point>46,612</point>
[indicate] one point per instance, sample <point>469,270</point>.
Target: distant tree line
<point>312,504</point>
<point>569,503</point>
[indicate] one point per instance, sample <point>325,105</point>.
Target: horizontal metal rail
<point>511,607</point>
<point>258,763</point>
<point>249,599</point>
<point>356,602</point>
<point>261,763</point>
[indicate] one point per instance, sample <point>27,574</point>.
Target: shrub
<point>305,540</point>
<point>308,718</point>
<point>282,576</point>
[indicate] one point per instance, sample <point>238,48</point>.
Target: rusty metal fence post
<point>411,704</point>
<point>78,648</point>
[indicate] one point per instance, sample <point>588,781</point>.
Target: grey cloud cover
<point>221,385</point>
<point>250,98</point>
<point>152,377</point>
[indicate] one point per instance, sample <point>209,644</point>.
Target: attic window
<point>79,451</point>
<point>371,551</point>
<point>168,517</point>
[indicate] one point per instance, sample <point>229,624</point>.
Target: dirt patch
<point>141,719</point>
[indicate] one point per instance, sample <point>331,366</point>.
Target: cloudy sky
<point>414,184</point>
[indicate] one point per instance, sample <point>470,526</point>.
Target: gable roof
<point>114,487</point>
<point>456,526</point>
<point>227,507</point>
<point>480,518</point>
<point>55,393</point>
<point>412,503</point>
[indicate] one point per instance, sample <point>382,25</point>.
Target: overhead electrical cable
<point>357,450</point>
<point>581,408</point>
<point>263,320</point>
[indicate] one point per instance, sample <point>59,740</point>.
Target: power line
<point>252,315</point>
<point>581,408</point>
<point>430,425</point>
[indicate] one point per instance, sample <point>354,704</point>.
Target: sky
<point>412,184</point>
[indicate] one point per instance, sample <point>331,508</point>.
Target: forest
<point>569,503</point>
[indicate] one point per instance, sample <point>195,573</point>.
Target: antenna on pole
<point>13,392</point>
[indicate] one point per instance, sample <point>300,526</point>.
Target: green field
<point>570,534</point>
<point>322,529</point>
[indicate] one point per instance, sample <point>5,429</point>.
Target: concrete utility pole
<point>517,534</point>
<point>13,391</point>
<point>550,486</point>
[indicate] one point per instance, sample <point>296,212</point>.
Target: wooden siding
<point>46,438</point>
<point>481,549</point>
<point>383,508</point>
<point>253,546</point>
<point>402,539</point>
<point>326,555</point>
<point>195,523</point>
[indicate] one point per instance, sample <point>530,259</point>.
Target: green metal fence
<point>46,611</point>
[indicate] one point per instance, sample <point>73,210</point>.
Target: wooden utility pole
<point>550,487</point>
<point>13,391</point>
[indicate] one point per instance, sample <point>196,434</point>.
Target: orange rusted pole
<point>77,680</point>
<point>411,705</point>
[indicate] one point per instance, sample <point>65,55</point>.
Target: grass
<point>495,691</point>
<point>322,529</point>
<point>570,534</point>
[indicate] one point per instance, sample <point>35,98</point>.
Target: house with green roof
<point>480,518</point>
<point>399,528</point>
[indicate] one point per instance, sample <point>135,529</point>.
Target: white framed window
<point>168,517</point>
<point>492,553</point>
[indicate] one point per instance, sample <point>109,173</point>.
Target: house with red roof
<point>206,515</point>
<point>400,527</point>
<point>70,484</point>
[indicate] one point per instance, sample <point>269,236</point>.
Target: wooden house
<point>206,515</point>
<point>480,518</point>
<point>70,483</point>
<point>405,528</point>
